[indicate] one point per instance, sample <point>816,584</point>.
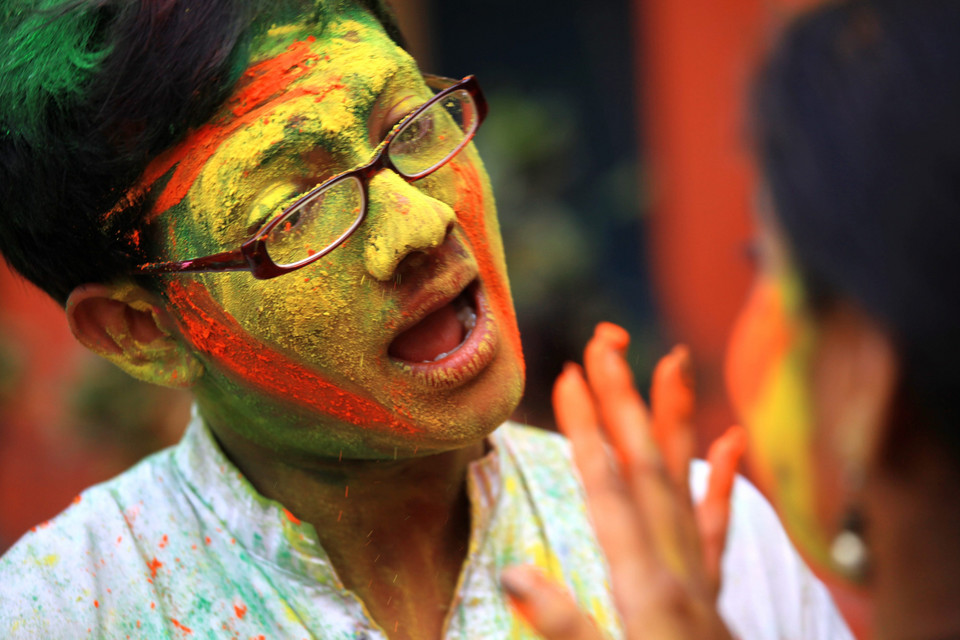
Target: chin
<point>462,416</point>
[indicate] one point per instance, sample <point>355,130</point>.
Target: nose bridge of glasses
<point>401,219</point>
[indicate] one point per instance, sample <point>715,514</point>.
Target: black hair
<point>858,133</point>
<point>90,92</point>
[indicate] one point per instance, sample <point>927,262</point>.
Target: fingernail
<point>516,582</point>
<point>681,355</point>
<point>616,335</point>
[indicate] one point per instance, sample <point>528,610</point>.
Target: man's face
<point>347,354</point>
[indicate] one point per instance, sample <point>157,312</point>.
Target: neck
<point>396,531</point>
<point>914,536</point>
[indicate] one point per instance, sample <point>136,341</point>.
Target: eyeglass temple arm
<point>226,261</point>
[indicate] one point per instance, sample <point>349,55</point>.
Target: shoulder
<point>59,579</point>
<point>534,446</point>
<point>543,460</point>
<point>760,559</point>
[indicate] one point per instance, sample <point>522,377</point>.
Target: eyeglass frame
<point>253,256</point>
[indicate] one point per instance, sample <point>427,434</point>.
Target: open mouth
<point>440,333</point>
<point>450,345</point>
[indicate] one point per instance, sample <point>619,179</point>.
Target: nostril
<point>412,262</point>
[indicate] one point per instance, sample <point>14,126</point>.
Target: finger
<point>713,513</point>
<point>623,413</point>
<point>573,407</point>
<point>673,403</point>
<point>624,418</point>
<point>614,518</point>
<point>546,606</point>
<point>672,407</point>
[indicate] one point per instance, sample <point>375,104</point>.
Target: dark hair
<point>858,133</point>
<point>90,92</point>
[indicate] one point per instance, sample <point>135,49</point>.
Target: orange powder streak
<point>153,565</point>
<point>259,84</point>
<point>470,211</point>
<point>759,341</point>
<point>221,337</point>
<point>187,630</point>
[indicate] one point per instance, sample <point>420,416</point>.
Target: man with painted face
<point>266,202</point>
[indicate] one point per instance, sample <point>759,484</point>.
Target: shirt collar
<point>266,529</point>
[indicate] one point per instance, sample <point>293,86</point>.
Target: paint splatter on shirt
<point>182,546</point>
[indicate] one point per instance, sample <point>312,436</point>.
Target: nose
<point>401,220</point>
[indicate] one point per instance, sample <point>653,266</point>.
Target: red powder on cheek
<point>760,339</point>
<point>220,336</point>
<point>472,216</point>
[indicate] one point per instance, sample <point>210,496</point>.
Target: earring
<point>849,550</point>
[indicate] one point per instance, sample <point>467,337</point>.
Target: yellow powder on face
<point>262,167</point>
<point>782,431</point>
<point>401,218</point>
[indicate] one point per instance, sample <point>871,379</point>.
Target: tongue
<point>440,332</point>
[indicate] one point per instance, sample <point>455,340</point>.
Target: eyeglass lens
<point>423,144</point>
<point>436,134</point>
<point>316,223</point>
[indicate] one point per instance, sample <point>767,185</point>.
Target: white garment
<point>182,546</point>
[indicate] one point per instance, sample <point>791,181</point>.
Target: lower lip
<point>465,362</point>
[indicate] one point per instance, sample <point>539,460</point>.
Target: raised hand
<point>664,555</point>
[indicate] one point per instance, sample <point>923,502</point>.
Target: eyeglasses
<point>323,218</point>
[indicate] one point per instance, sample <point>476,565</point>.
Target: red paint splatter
<point>153,605</point>
<point>153,565</point>
<point>207,539</point>
<point>96,604</point>
<point>163,541</point>
<point>187,630</point>
<point>220,336</point>
<point>241,610</point>
<point>77,499</point>
<point>292,518</point>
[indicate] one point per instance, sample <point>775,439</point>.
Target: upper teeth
<point>467,316</point>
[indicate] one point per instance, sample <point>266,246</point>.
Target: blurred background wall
<point>617,146</point>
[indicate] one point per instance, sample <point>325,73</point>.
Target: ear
<point>130,327</point>
<point>856,378</point>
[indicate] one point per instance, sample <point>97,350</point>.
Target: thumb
<point>546,606</point>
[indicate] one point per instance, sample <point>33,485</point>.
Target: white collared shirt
<point>182,546</point>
